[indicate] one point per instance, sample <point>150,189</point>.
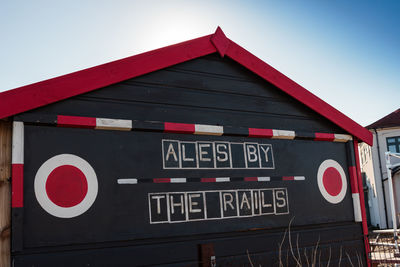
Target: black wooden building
<point>183,156</point>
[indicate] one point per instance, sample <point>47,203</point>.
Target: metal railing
<point>383,250</point>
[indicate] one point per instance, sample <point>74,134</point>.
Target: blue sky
<point>345,52</point>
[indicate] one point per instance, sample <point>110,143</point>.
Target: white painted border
<point>357,207</point>
<point>215,168</point>
<point>221,209</point>
<point>178,180</point>
<point>127,181</point>
<point>203,129</point>
<point>18,143</point>
<point>113,124</point>
<point>283,134</point>
<point>325,165</point>
<point>40,185</point>
<point>222,179</point>
<point>342,138</point>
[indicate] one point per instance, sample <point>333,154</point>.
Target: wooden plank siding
<point>5,192</point>
<point>206,90</point>
<point>118,228</point>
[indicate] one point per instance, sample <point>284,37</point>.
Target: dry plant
<point>311,257</point>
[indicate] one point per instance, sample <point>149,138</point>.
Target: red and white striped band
<point>17,165</point>
<point>355,194</point>
<point>210,180</point>
<point>200,129</point>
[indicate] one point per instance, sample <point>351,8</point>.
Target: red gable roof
<point>49,91</point>
<point>391,120</point>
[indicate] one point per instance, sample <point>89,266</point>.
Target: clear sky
<point>345,52</point>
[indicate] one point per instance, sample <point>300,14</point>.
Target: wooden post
<point>207,255</point>
<point>5,192</point>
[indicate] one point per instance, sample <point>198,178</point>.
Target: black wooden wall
<point>116,229</point>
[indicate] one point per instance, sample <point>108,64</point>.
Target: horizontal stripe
<point>342,138</point>
<point>304,135</point>
<point>222,179</point>
<point>112,124</point>
<point>208,129</point>
<point>148,126</point>
<point>237,179</point>
<point>198,129</point>
<point>262,133</point>
<point>236,131</point>
<point>178,180</point>
<point>128,181</point>
<point>170,127</point>
<point>275,179</point>
<point>208,180</point>
<point>161,180</point>
<point>283,134</point>
<point>324,137</point>
<point>76,122</point>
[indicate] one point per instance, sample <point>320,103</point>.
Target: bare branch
<point>319,258</point>
<point>248,256</point>
<point>298,250</point>
<point>280,250</point>
<point>329,259</point>
<point>358,259</point>
<point>351,263</point>
<point>314,254</point>
<point>290,244</point>
<point>287,258</point>
<point>306,256</point>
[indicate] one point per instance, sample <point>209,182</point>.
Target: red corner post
<point>362,202</point>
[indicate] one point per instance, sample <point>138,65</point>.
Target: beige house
<point>386,135</point>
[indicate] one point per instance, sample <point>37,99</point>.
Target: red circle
<point>332,181</point>
<point>66,186</point>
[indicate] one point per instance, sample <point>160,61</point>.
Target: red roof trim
<point>46,92</point>
<point>259,67</point>
<point>49,91</point>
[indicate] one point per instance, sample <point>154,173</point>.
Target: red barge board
<point>181,156</point>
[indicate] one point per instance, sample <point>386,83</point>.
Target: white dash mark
<point>127,181</point>
<point>222,179</point>
<point>178,180</point>
<point>208,129</point>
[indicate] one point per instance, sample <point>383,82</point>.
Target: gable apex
<point>220,41</point>
<point>63,87</point>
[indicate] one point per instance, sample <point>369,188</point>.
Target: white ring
<point>322,168</point>
<point>41,179</point>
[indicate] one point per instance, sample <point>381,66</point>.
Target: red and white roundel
<point>332,182</point>
<point>66,186</point>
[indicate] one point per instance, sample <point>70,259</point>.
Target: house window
<point>393,144</point>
